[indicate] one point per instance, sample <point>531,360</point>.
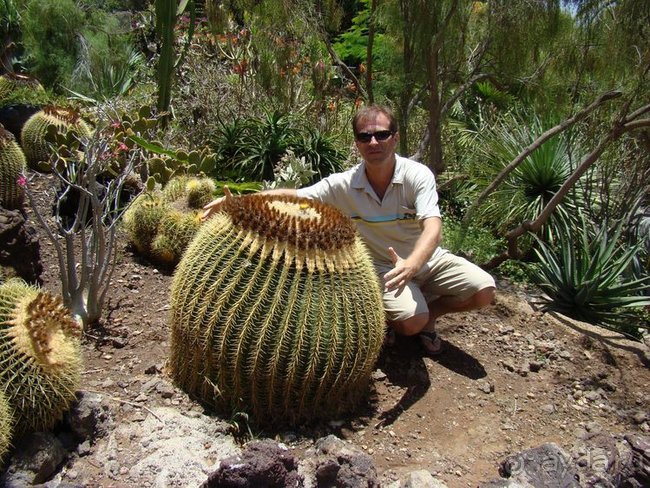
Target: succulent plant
<point>142,219</point>
<point>276,311</point>
<point>10,82</point>
<point>35,131</point>
<point>161,224</point>
<point>12,165</point>
<point>175,231</point>
<point>6,426</point>
<point>39,353</point>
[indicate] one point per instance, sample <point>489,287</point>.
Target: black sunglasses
<point>380,135</point>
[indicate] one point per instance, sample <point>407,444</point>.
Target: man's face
<point>376,151</point>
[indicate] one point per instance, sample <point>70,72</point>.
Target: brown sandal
<point>431,343</point>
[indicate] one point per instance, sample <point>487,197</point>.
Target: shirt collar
<point>360,180</point>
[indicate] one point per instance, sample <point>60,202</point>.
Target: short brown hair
<point>372,111</point>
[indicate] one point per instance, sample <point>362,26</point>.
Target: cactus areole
<point>276,312</point>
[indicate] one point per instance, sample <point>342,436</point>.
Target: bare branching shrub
<point>83,229</point>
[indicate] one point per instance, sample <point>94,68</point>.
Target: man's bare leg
<point>446,304</point>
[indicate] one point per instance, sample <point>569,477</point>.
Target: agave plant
<point>528,189</point>
<point>319,150</point>
<point>585,274</point>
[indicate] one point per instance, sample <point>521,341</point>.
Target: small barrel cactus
<point>276,311</point>
<point>12,165</point>
<point>162,223</point>
<point>6,426</point>
<point>33,135</point>
<point>10,82</point>
<point>39,353</point>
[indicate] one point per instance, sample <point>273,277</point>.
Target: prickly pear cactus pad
<point>6,421</point>
<point>276,311</point>
<point>12,165</point>
<point>40,359</point>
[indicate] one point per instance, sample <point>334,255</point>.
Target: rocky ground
<point>511,379</point>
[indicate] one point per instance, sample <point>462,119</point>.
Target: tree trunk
<point>371,41</point>
<point>436,162</point>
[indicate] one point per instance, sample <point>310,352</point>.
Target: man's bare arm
<point>405,268</point>
<point>215,204</point>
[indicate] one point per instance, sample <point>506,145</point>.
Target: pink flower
<point>116,124</point>
<point>22,181</point>
<point>122,147</point>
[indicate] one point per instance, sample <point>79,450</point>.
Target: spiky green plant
<point>528,189</point>
<point>142,219</point>
<point>200,192</point>
<point>39,354</point>
<point>585,275</point>
<point>276,311</point>
<point>6,426</point>
<point>161,224</point>
<point>12,165</point>
<point>175,231</point>
<point>10,82</point>
<point>33,135</point>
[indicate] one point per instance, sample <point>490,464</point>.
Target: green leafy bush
<point>252,148</point>
<point>50,36</point>
<point>584,274</point>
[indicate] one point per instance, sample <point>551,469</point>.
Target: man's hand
<point>401,273</point>
<point>215,204</point>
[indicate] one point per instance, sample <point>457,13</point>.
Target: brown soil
<point>511,378</point>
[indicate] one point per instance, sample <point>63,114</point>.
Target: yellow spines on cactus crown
<point>303,223</point>
<point>40,355</point>
<point>6,426</point>
<point>12,165</point>
<point>199,191</point>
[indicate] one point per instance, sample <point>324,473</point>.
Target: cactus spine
<point>162,223</point>
<point>12,165</point>
<point>39,354</point>
<point>276,310</point>
<point>6,423</point>
<point>35,129</point>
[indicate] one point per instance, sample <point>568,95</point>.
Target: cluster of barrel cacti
<point>40,358</point>
<point>12,166</point>
<point>33,136</point>
<point>161,223</point>
<point>276,311</point>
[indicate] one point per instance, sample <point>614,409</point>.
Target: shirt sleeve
<point>426,195</point>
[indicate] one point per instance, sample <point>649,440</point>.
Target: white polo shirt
<point>392,221</point>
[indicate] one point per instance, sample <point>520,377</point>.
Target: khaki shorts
<point>450,275</point>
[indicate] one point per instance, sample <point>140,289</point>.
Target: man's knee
<point>484,297</point>
<point>412,325</point>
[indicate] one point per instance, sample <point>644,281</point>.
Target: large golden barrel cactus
<point>276,310</point>
<point>6,423</point>
<point>39,353</point>
<point>32,137</point>
<point>12,165</point>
